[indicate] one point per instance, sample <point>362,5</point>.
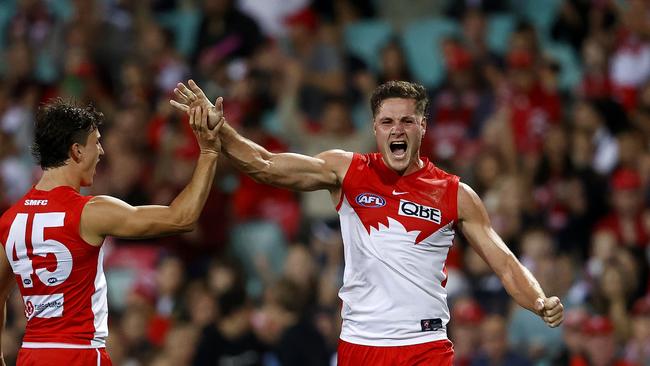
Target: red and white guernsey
<point>60,276</point>
<point>396,231</point>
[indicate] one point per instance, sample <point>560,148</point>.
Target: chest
<point>414,208</point>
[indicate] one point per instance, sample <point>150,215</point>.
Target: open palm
<point>192,97</point>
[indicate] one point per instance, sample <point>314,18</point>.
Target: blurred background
<point>542,106</point>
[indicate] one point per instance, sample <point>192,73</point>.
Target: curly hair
<point>60,124</point>
<point>400,89</point>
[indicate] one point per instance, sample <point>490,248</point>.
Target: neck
<point>57,177</point>
<point>415,165</point>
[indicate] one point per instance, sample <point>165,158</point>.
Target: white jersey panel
<point>392,290</point>
<point>100,304</point>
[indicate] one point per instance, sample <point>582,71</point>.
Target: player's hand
<point>208,138</point>
<point>193,96</point>
<point>551,310</point>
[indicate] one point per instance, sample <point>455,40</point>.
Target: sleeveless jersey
<point>59,275</point>
<point>397,231</point>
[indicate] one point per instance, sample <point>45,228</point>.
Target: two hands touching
<point>205,118</point>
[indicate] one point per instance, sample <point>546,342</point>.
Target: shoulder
<point>103,202</point>
<point>336,156</point>
<point>337,160</point>
<point>100,209</point>
<point>470,205</point>
<point>8,212</point>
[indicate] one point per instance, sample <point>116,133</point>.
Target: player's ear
<point>423,125</point>
<point>76,152</point>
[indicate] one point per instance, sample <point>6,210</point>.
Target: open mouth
<point>398,148</point>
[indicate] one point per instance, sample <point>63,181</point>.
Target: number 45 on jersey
<point>21,263</point>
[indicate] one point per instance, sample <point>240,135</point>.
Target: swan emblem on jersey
<point>370,200</point>
<point>393,232</point>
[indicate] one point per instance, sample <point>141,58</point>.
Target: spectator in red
<point>457,107</point>
<point>630,63</point>
<point>637,349</point>
<point>595,83</point>
<point>252,200</point>
<point>464,329</point>
<point>573,337</point>
<point>532,107</point>
<point>601,348</point>
<point>626,217</point>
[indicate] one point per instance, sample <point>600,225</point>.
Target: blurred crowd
<point>542,106</point>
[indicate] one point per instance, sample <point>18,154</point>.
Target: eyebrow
<point>408,116</point>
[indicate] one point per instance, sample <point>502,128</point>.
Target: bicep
<point>109,216</point>
<point>306,173</point>
<point>475,225</point>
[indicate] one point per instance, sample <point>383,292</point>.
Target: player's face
<point>399,130</point>
<point>90,157</point>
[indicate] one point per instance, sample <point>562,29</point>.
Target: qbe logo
<point>412,209</point>
<point>370,200</point>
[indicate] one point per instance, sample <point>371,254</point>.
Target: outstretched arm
<point>286,170</point>
<point>518,281</point>
<point>103,215</point>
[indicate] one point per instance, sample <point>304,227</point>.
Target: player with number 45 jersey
<point>52,237</point>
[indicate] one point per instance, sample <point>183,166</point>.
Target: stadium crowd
<point>543,106</point>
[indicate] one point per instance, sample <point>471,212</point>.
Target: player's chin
<point>398,163</point>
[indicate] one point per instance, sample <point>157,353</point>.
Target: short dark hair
<point>60,124</point>
<point>400,89</point>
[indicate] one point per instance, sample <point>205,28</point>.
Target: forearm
<point>247,156</point>
<point>520,283</point>
<point>187,206</point>
<point>286,170</point>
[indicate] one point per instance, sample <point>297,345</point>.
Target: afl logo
<point>370,200</point>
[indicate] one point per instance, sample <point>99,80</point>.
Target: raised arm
<point>517,280</point>
<point>286,170</point>
<point>103,215</point>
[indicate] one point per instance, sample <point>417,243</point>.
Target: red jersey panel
<point>59,275</point>
<point>397,231</point>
